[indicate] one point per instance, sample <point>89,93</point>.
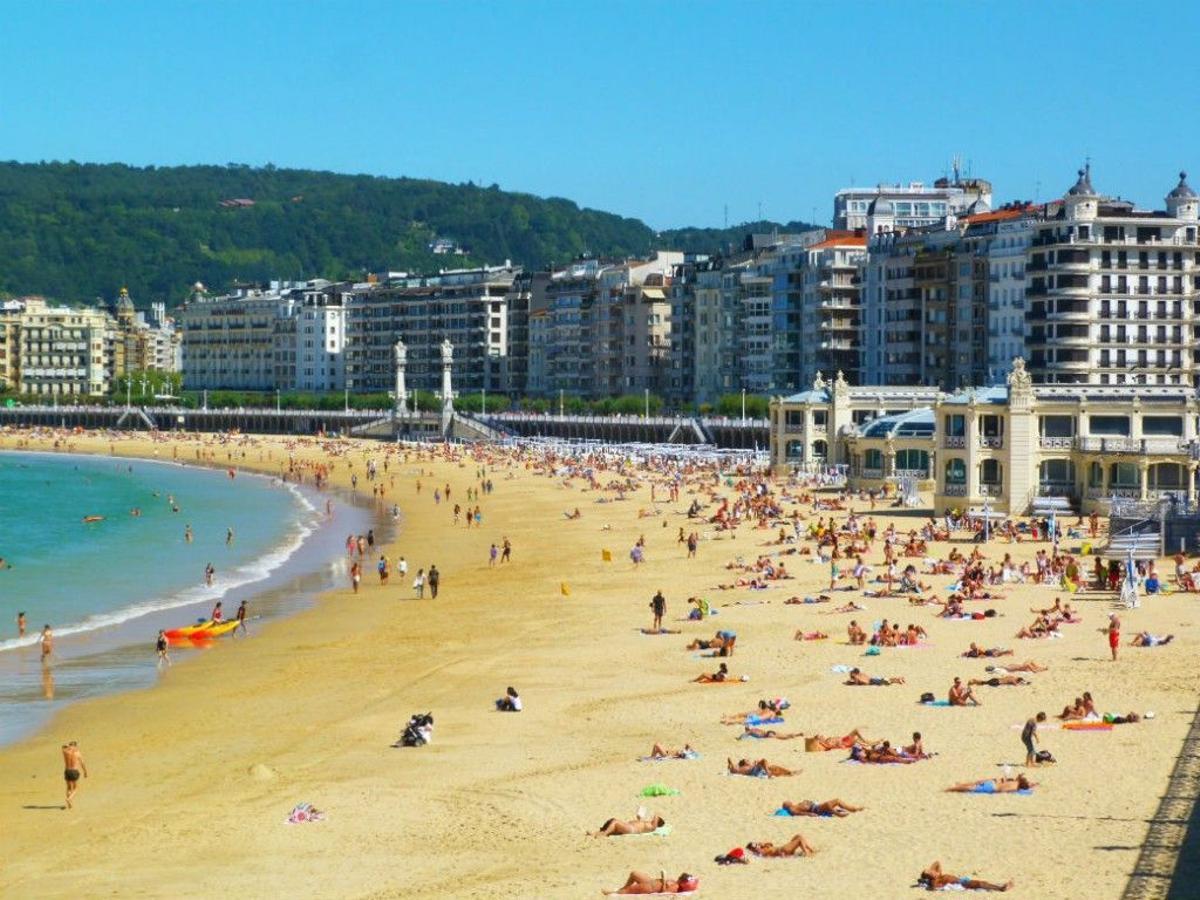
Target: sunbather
<point>961,695</point>
<point>618,828</point>
<point>797,846</point>
<point>975,652</point>
<point>999,681</point>
<point>753,732</point>
<point>661,752</point>
<point>759,769</point>
<point>1146,639</point>
<point>721,674</point>
<point>858,679</point>
<point>934,879</point>
<point>828,808</point>
<point>641,883</point>
<point>840,743</point>
<point>1027,666</point>
<point>994,786</point>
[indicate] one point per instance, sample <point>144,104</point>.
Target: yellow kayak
<point>214,631</point>
<point>189,630</point>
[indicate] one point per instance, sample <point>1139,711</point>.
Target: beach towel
<point>564,589</point>
<point>606,555</point>
<point>1087,726</point>
<point>840,669</point>
<point>989,787</point>
<point>764,720</point>
<point>783,812</point>
<point>937,703</point>
<point>303,812</point>
<point>658,790</point>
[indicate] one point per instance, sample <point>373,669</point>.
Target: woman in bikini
<point>828,808</point>
<point>618,828</point>
<point>641,883</point>
<point>797,846</point>
<point>759,769</point>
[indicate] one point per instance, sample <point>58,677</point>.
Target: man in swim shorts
<point>73,764</point>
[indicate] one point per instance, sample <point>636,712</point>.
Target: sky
<point>672,112</point>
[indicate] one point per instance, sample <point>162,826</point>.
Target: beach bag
<point>1044,756</point>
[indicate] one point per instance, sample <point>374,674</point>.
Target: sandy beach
<point>191,780</point>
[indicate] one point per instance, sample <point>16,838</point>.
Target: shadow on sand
<point>1169,863</point>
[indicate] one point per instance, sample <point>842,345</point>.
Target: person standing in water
<point>73,765</point>
<point>187,533</point>
<point>228,537</point>
<point>47,644</point>
<point>161,647</point>
<point>209,572</point>
<point>20,624</point>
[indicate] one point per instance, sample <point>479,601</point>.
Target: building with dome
<point>1114,291</point>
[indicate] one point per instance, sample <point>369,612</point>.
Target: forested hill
<point>76,231</point>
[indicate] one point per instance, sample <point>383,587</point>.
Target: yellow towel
<point>564,589</point>
<point>606,555</point>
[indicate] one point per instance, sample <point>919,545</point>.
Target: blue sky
<point>667,111</point>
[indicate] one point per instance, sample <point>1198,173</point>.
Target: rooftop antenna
<point>956,166</point>
<point>760,218</point>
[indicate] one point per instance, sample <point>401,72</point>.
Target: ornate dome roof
<point>1083,187</point>
<point>1183,190</point>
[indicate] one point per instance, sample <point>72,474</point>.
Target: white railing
<point>954,490</point>
<point>991,490</point>
<point>872,473</point>
<point>955,442</point>
<point>1130,445</point>
<point>991,443</point>
<point>1057,443</point>
<point>919,474</point>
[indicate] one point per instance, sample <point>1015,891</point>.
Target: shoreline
<point>209,763</point>
<point>289,587</point>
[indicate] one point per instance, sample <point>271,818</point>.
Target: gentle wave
<point>256,570</point>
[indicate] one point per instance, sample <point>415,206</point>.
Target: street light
<point>278,404</point>
<point>743,406</point>
<point>346,400</point>
<point>647,392</point>
<point>128,388</point>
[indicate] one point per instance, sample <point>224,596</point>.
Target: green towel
<point>659,790</point>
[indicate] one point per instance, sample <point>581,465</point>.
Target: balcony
<point>954,490</point>
<point>871,473</point>
<point>1056,443</point>
<point>954,442</point>
<point>1161,445</point>
<point>991,490</point>
<point>991,442</point>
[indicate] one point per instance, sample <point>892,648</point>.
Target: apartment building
<point>234,341</point>
<point>831,314</point>
<point>467,307</point>
<point>10,312</point>
<point>64,351</point>
<point>912,205</point>
<point>1114,291</point>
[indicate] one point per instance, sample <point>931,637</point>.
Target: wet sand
<point>192,779</point>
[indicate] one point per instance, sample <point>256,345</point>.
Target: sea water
<point>106,586</point>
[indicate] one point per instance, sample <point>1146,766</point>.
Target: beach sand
<point>191,780</point>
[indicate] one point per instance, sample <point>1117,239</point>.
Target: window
<point>990,472</point>
<point>956,471</point>
<point>873,459</point>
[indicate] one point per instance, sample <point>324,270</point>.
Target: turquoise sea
<point>105,587</point>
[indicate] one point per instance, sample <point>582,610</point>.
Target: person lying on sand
<point>802,635</point>
<point>994,786</point>
<point>766,709</point>
<point>849,607</point>
<point>618,828</point>
<point>828,808</point>
<point>858,679</point>
<point>1146,639</point>
<point>797,846</point>
<point>1028,666</point>
<point>805,601</point>
<point>658,751</point>
<point>934,879</point>
<point>961,695</point>
<point>722,674</point>
<point>759,769</point>
<point>853,739</point>
<point>751,731</point>
<point>641,883</point>
<point>880,755</point>
<point>999,681</point>
<point>976,652</point>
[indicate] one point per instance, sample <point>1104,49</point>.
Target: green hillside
<point>79,231</point>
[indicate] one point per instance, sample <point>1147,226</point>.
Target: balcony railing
<point>954,490</point>
<point>1057,443</point>
<point>1130,445</point>
<point>991,490</point>
<point>872,473</point>
<point>954,442</point>
<point>991,442</point>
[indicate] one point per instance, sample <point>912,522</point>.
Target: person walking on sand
<point>1030,739</point>
<point>492,554</point>
<point>161,646</point>
<point>382,566</point>
<point>1114,634</point>
<point>402,567</point>
<point>419,584</point>
<point>506,551</point>
<point>241,619</point>
<point>73,765</point>
<point>355,575</point>
<point>658,605</point>
<point>435,578</point>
